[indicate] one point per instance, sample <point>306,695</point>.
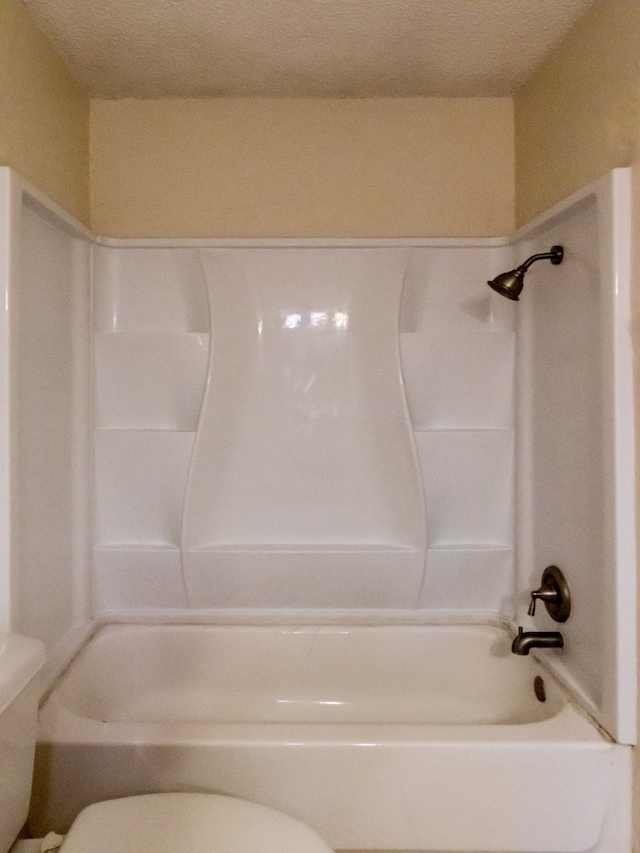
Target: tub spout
<point>527,640</point>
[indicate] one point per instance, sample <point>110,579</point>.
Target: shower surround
<point>303,432</point>
<point>254,448</point>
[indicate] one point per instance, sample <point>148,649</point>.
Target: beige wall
<point>577,118</point>
<point>579,115</point>
<point>636,341</point>
<point>314,167</point>
<point>44,114</point>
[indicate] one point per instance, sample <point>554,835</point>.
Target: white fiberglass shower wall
<point>321,431</point>
<point>576,505</point>
<point>254,449</point>
<point>45,428</point>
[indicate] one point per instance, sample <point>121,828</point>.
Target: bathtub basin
<point>381,738</point>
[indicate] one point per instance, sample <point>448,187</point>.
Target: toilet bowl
<point>151,823</point>
<point>188,823</point>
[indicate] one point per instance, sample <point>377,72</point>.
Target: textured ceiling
<point>331,48</point>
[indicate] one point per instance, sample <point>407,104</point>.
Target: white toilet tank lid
<point>188,823</point>
<point>20,659</point>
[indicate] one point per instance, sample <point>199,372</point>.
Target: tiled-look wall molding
<point>456,345</point>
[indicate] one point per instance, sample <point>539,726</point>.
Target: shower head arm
<point>555,256</point>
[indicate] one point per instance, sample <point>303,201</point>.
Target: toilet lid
<point>188,823</point>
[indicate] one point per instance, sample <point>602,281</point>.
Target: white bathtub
<point>381,738</point>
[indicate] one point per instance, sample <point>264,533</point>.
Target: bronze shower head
<point>510,283</point>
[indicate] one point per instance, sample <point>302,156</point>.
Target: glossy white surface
<point>456,347</point>
<point>457,343</point>
<point>151,353</point>
<point>50,408</point>
<point>139,486</point>
<point>444,290</point>
<point>303,445</point>
<point>576,437</point>
<point>150,291</point>
<point>7,262</point>
<point>147,381</point>
<point>475,578</point>
<point>44,430</point>
<point>303,675</point>
<point>330,580</point>
<point>188,823</point>
<point>144,578</point>
<point>469,486</point>
<point>459,379</point>
<point>20,660</point>
<point>185,709</point>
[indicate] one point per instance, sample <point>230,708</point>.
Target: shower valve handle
<point>554,592</point>
<point>543,594</point>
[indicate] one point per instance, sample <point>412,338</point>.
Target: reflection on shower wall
<point>253,444</point>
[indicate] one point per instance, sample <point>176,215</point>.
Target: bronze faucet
<point>527,640</point>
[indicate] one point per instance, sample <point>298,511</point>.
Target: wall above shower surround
<point>302,167</point>
<point>303,337</point>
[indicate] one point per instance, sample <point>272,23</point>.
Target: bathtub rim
<point>572,723</point>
